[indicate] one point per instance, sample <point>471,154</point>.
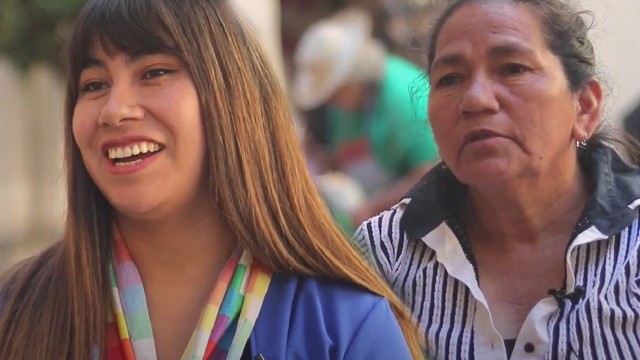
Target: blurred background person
<point>374,107</point>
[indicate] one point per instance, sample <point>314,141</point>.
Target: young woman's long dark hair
<point>54,305</point>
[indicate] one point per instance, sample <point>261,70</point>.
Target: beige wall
<point>616,34</point>
<point>264,17</point>
<point>31,179</point>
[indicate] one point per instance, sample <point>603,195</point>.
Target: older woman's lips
<point>479,135</point>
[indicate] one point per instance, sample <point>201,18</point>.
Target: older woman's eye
<point>448,80</point>
<point>513,69</point>
<point>154,73</point>
<point>93,86</point>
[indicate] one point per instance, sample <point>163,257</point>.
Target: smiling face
<point>137,123</point>
<point>500,106</point>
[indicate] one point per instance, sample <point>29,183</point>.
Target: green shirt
<point>396,127</point>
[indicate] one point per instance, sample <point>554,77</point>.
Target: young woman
<point>193,229</point>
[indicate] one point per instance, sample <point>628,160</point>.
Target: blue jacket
<point>305,318</point>
<point>311,318</point>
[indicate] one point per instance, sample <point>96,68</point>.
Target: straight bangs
<point>132,27</point>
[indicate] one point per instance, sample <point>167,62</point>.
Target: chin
<point>132,205</point>
<point>483,174</point>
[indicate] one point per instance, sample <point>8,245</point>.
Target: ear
<point>589,106</point>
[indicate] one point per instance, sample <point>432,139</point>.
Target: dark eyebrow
<point>498,51</point>
<point>140,54</point>
<point>95,63</point>
<point>509,50</point>
<point>92,63</point>
<point>450,60</point>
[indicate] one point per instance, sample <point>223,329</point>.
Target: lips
<point>479,135</point>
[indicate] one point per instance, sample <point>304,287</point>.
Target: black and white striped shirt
<point>419,249</point>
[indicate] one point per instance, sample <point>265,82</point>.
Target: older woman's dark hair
<point>565,29</point>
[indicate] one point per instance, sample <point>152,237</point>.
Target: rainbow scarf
<point>224,326</point>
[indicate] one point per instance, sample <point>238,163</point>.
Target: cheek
<point>80,128</point>
<point>83,129</point>
<point>442,124</point>
<point>196,155</point>
<point>191,132</point>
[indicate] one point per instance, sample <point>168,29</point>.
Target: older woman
<point>524,242</point>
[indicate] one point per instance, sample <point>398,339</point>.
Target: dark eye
<point>154,73</point>
<point>513,69</point>
<point>93,86</point>
<point>448,80</point>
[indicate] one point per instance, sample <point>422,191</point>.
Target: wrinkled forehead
<point>484,20</point>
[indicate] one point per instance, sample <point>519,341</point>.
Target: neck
<point>192,246</point>
<point>527,211</point>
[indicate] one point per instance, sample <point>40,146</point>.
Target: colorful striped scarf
<point>224,326</point>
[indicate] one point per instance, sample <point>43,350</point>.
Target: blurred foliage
<point>36,30</point>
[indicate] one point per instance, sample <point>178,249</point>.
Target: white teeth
<point>128,163</point>
<point>122,152</point>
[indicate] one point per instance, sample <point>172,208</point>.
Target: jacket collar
<point>438,196</point>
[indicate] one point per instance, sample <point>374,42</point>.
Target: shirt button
<point>529,348</point>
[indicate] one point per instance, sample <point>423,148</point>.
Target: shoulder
<point>328,296</point>
<point>325,319</point>
<point>387,220</point>
<point>384,229</point>
<point>26,278</point>
<point>385,243</point>
<point>3,298</point>
<point>8,282</point>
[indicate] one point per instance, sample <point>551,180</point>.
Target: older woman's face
<point>500,105</point>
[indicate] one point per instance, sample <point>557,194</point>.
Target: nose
<point>122,105</point>
<point>479,97</point>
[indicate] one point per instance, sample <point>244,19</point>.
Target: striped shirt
<point>418,247</point>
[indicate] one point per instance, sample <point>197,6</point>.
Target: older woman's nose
<point>122,105</point>
<point>479,97</point>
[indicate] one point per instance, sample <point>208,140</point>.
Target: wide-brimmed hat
<point>328,55</point>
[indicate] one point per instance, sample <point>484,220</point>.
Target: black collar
<point>438,196</point>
